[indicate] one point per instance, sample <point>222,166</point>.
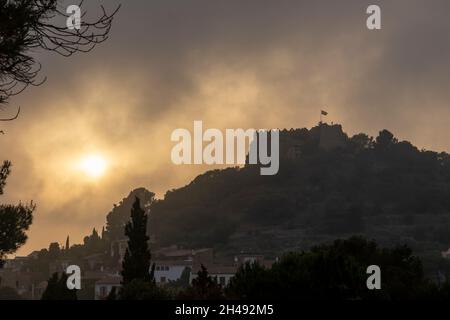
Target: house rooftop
<point>217,269</point>
<point>164,262</point>
<point>112,280</point>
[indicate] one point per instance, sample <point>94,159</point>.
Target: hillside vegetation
<point>329,185</point>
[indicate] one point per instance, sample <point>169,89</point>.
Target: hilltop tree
<point>120,214</point>
<point>54,250</point>
<point>93,243</point>
<point>384,140</point>
<point>136,263</point>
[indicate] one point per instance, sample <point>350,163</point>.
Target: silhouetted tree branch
<point>26,25</point>
<point>11,118</point>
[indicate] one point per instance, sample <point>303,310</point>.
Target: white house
<point>167,270</point>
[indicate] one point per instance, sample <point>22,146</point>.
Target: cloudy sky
<point>232,64</point>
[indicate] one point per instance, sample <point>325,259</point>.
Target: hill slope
<point>329,185</point>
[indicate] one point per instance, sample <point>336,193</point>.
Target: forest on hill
<point>329,185</point>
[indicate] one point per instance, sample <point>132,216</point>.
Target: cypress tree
<point>136,263</point>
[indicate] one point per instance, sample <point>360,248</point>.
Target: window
<point>166,268</point>
<point>249,259</point>
<point>222,281</point>
<point>103,291</point>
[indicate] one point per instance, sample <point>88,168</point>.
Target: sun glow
<point>93,165</point>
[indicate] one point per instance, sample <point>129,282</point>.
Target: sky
<point>231,64</point>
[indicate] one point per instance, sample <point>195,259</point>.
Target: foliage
<point>136,263</point>
<point>120,214</point>
<point>57,289</point>
<point>251,281</point>
<point>335,272</point>
<point>14,220</point>
<point>5,170</point>
<point>138,289</point>
<point>203,287</point>
<point>138,282</point>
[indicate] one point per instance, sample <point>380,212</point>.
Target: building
<point>170,270</point>
<point>39,290</point>
<point>15,264</point>
<point>220,273</point>
<point>104,286</point>
<point>26,284</point>
<point>332,136</point>
<point>248,258</point>
<point>95,261</point>
<point>59,266</point>
<point>118,248</point>
<point>446,254</point>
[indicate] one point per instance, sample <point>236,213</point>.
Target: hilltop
<point>329,185</point>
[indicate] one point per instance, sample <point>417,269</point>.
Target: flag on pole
<point>324,113</point>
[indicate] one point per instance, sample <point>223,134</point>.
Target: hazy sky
<point>232,64</point>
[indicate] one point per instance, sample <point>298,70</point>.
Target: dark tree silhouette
<point>139,289</point>
<point>204,287</point>
<point>251,281</point>
<point>54,251</point>
<point>385,139</point>
<point>14,220</point>
<point>112,295</point>
<point>57,289</point>
<point>337,272</point>
<point>120,214</point>
<point>27,25</point>
<point>67,247</point>
<point>137,277</point>
<point>4,172</point>
<point>136,263</point>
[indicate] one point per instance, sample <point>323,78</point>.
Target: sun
<point>93,165</point>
